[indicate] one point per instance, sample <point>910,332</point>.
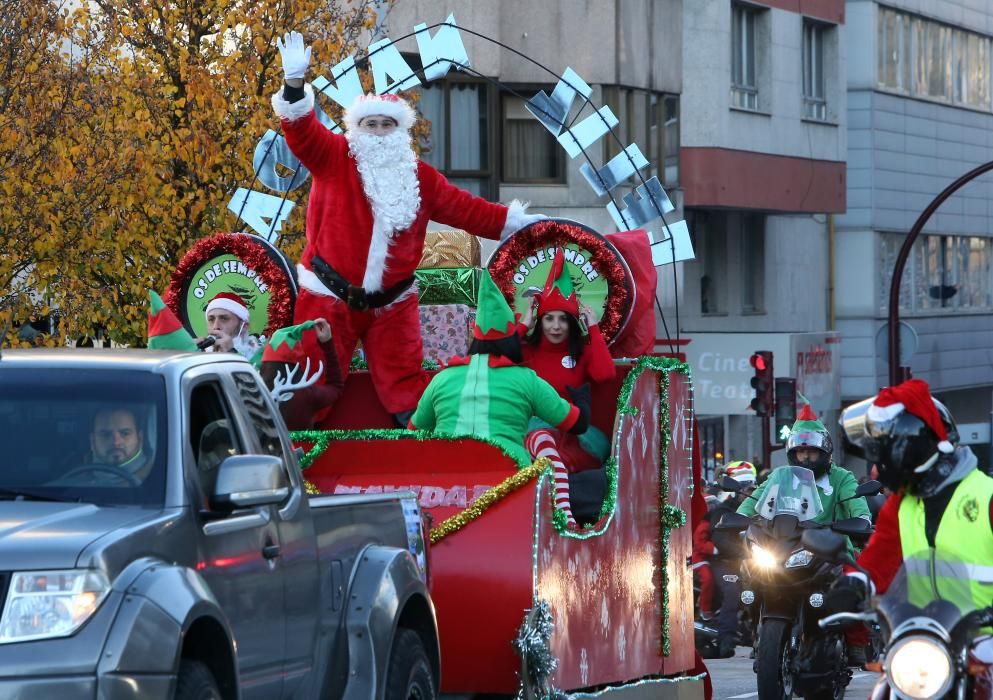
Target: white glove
<point>295,56</point>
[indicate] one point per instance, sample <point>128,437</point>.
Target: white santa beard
<point>388,169</point>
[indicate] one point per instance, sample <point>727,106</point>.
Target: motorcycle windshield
<point>790,491</point>
<point>937,587</point>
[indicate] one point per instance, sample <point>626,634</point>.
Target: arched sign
<point>600,276</point>
<point>244,264</point>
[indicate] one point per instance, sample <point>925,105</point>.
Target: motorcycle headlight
<point>44,604</point>
<point>919,668</point>
<point>799,558</point>
<point>763,557</point>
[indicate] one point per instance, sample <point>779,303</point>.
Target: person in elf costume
<point>556,349</point>
<point>809,445</point>
<point>369,206</point>
<point>165,331</point>
<point>283,356</point>
<point>488,394</point>
<point>942,503</point>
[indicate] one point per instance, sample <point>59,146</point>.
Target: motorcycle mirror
<point>732,521</point>
<point>824,543</point>
<point>852,526</point>
<point>868,488</point>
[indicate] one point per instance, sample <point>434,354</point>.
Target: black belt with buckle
<point>356,297</point>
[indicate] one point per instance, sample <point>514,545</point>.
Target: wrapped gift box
<point>446,330</point>
<point>445,249</point>
<point>453,285</point>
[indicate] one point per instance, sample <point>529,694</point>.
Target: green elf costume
<point>488,394</point>
<point>835,485</point>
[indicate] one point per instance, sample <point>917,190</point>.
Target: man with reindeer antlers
<point>369,206</point>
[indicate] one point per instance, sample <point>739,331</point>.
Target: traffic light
<point>761,362</point>
<point>785,393</point>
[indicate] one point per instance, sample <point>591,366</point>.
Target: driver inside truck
<point>117,440</point>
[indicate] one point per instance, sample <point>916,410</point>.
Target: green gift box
<point>455,285</point>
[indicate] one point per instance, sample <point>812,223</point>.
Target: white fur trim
<point>369,105</point>
<point>880,414</point>
<point>375,263</point>
<point>312,283</point>
<point>306,279</point>
<point>292,111</point>
<point>946,447</point>
<point>231,306</point>
<point>518,218</point>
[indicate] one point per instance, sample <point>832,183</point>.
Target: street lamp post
<point>897,372</point>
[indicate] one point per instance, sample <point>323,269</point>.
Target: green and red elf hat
<point>284,346</point>
<point>807,420</point>
<point>494,317</point>
<point>165,332</point>
<point>558,294</point>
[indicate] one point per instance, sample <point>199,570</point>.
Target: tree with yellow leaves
<point>125,126</point>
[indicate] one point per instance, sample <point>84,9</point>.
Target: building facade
<point>762,174</point>
<point>920,115</point>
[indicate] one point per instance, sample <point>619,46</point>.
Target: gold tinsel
<point>489,497</point>
<point>309,487</point>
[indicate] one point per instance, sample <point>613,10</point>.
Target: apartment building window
<point>461,133</point>
<point>530,153</point>
<point>814,94</point>
<point>943,274</point>
<point>744,57</point>
<point>924,58</point>
<point>710,234</point>
<point>650,120</point>
<point>752,237</point>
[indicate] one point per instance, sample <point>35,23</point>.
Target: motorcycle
<point>932,625</point>
<point>788,581</point>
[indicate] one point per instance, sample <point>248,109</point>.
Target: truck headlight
<point>763,557</point>
<point>919,668</point>
<point>43,604</point>
<point>799,558</point>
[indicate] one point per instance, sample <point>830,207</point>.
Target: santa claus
<point>370,202</point>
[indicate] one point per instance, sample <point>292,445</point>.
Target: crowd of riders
<point>930,495</point>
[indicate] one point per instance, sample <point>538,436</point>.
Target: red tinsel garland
<point>552,232</point>
<point>280,309</point>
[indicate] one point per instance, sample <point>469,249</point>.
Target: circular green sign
<point>226,273</point>
<point>531,273</point>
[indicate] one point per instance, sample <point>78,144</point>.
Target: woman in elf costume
<point>557,351</point>
<point>488,393</point>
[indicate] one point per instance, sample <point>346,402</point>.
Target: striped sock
<point>541,443</point>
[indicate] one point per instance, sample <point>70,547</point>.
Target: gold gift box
<point>447,249</point>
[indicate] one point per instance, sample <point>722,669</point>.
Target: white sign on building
<point>722,373</point>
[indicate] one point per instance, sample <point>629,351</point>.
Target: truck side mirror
<point>249,480</point>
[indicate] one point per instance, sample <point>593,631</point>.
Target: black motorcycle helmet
<point>808,432</point>
<point>907,452</point>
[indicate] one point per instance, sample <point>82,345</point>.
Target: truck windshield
<point>93,436</point>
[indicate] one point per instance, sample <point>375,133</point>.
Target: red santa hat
<point>386,105</point>
<point>914,397</point>
<point>558,294</point>
<point>230,302</point>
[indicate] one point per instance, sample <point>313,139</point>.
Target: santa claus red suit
<point>370,202</point>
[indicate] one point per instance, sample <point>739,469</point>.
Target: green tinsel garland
<point>358,364</point>
<point>320,439</point>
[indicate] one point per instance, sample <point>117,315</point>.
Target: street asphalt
<point>734,680</point>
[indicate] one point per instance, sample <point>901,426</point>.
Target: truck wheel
<point>409,674</point>
<point>196,682</point>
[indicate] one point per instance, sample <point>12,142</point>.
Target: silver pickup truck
<point>157,541</point>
